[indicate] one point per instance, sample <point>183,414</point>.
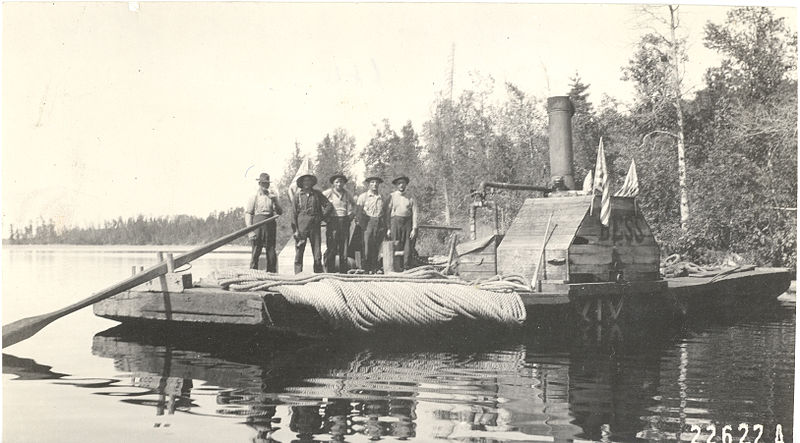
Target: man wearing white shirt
<point>262,205</point>
<point>401,216</point>
<point>370,215</point>
<point>337,229</point>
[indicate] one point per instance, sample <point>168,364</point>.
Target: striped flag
<point>601,183</point>
<point>631,186</point>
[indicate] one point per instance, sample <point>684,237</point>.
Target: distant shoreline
<point>121,249</point>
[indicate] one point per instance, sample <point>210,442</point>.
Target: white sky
<point>112,110</point>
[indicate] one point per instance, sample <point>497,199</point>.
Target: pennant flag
<point>631,186</point>
<point>587,183</point>
<point>601,183</point>
<point>304,169</point>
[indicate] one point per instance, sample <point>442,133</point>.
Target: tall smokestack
<point>560,111</point>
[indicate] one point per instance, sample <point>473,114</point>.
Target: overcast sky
<point>116,109</point>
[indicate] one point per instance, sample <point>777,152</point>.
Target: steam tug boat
<point>577,266</point>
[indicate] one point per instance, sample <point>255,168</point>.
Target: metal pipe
<point>441,228</point>
<point>512,186</point>
<point>559,112</point>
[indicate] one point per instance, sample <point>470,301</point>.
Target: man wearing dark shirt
<point>310,207</point>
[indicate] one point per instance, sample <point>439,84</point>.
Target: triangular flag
<point>601,183</point>
<point>587,183</point>
<point>304,169</point>
<point>605,210</point>
<point>599,176</point>
<point>631,186</point>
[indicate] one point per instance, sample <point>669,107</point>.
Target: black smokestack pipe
<point>560,111</point>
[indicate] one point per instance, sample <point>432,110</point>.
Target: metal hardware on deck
<point>169,282</point>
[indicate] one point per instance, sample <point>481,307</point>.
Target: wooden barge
<point>577,266</point>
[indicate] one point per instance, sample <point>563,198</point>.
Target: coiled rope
<point>418,297</point>
<point>672,266</point>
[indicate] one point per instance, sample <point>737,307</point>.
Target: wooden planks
<point>517,253</point>
<point>203,305</point>
<point>480,262</point>
<point>604,270</point>
<point>603,254</point>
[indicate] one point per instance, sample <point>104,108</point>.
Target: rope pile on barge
<point>673,266</point>
<point>417,297</point>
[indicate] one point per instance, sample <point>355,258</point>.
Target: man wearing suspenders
<point>338,224</point>
<point>370,207</point>
<point>401,216</point>
<point>309,209</point>
<point>260,207</point>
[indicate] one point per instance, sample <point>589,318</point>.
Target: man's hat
<point>313,179</point>
<point>335,176</point>
<point>399,179</point>
<point>263,178</point>
<point>373,177</point>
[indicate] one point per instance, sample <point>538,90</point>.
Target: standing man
<point>338,225</point>
<point>401,214</point>
<point>310,207</point>
<point>370,215</point>
<point>262,205</point>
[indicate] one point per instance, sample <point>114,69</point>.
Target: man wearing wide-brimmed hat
<point>370,206</point>
<point>309,208</point>
<point>401,216</point>
<point>338,225</point>
<point>262,205</point>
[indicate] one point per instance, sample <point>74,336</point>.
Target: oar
<point>25,328</point>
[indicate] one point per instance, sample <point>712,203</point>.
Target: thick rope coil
<point>418,297</point>
<point>368,305</point>
<point>672,266</point>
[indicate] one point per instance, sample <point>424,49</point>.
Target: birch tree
<point>657,70</point>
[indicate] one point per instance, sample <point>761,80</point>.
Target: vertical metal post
<point>472,222</point>
<point>496,219</point>
<point>164,289</point>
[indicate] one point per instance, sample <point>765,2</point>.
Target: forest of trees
<point>717,165</point>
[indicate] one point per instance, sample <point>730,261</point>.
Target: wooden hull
<point>593,302</point>
<point>743,290</point>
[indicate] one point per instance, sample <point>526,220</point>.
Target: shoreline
<point>121,249</point>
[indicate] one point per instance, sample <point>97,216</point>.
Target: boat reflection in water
<point>532,385</point>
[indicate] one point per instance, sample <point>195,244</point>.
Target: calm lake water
<point>84,378</point>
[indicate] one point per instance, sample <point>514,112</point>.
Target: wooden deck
<point>208,304</point>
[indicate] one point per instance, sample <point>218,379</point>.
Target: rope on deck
<point>418,297</point>
<point>673,266</point>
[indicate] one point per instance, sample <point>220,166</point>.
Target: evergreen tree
<point>335,154</point>
<point>585,129</point>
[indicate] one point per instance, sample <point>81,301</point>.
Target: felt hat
<point>399,179</point>
<point>339,175</point>
<point>313,179</point>
<point>263,177</point>
<point>373,177</point>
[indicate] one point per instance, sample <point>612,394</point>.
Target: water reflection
<point>563,384</point>
<point>28,369</point>
<point>595,382</point>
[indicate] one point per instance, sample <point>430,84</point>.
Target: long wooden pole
<point>541,254</point>
<point>23,329</point>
